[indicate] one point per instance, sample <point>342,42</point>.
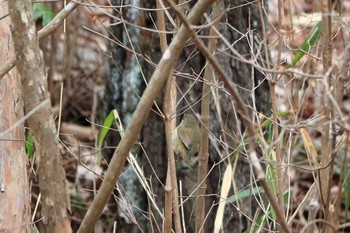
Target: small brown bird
<point>186,138</point>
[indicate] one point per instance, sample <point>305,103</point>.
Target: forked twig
<point>44,32</point>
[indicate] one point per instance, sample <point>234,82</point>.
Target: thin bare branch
<point>157,80</point>
<point>328,143</point>
<point>203,157</point>
<point>243,111</point>
<point>44,32</point>
<point>169,107</point>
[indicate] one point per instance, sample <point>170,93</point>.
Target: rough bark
<point>55,200</point>
<point>14,188</point>
<point>124,85</point>
<point>191,63</point>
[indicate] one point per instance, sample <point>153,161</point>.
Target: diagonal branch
<point>158,78</point>
<point>44,32</point>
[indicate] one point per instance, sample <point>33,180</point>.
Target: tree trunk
<point>52,180</point>
<point>14,188</point>
<point>124,85</point>
<point>153,138</point>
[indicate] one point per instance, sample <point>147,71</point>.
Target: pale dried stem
<point>325,175</point>
<point>339,91</point>
<point>169,103</point>
<point>204,150</point>
<point>274,116</point>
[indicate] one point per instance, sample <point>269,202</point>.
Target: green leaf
<point>78,204</point>
<point>43,12</point>
<point>268,121</point>
<point>245,193</point>
<point>258,224</point>
<point>308,42</point>
<point>347,193</point>
<point>30,145</point>
<point>103,133</point>
<point>35,229</point>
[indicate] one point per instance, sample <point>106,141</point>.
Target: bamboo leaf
<point>103,133</point>
<point>43,12</point>
<point>308,42</point>
<point>268,121</point>
<point>30,145</point>
<point>347,192</point>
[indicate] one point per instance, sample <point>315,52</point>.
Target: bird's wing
<point>185,136</point>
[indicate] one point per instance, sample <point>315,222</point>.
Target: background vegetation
<point>101,85</point>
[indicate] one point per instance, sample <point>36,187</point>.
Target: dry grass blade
<point>225,188</point>
<point>151,92</point>
<point>309,145</point>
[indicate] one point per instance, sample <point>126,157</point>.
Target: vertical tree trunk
<point>124,85</point>
<point>52,180</point>
<point>189,66</point>
<point>14,188</point>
